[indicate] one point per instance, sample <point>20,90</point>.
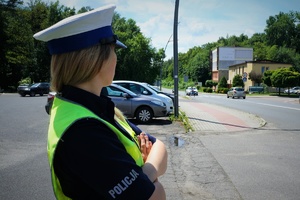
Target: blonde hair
<point>119,114</point>
<point>78,66</point>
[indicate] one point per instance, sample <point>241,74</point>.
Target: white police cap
<point>81,31</point>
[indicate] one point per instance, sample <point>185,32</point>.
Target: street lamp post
<point>162,61</point>
<point>175,50</point>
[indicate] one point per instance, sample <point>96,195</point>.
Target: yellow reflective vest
<point>63,115</point>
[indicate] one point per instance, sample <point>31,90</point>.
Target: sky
<point>200,21</point>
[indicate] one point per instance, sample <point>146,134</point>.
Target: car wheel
<point>41,94</point>
<point>244,97</point>
<point>23,95</point>
<point>32,94</point>
<point>144,115</point>
<point>227,96</point>
<point>232,97</point>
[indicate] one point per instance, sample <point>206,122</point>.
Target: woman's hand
<point>145,145</point>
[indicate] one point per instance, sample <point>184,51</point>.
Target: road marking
<point>265,104</point>
<point>255,103</point>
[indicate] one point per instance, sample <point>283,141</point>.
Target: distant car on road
<point>191,91</point>
<point>293,90</point>
<point>32,90</point>
<point>236,92</point>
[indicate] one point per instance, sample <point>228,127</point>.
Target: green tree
<point>210,83</point>
<point>17,51</point>
<point>267,77</point>
<point>223,83</point>
<point>282,30</point>
<point>260,51</point>
<point>257,38</point>
<point>139,61</point>
<point>285,77</point>
<point>200,68</point>
<point>281,54</point>
<point>237,81</point>
<point>3,45</point>
<point>256,78</point>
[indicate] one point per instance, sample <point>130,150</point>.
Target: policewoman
<point>93,152</point>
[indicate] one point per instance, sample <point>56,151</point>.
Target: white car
<point>143,89</point>
<point>191,91</point>
<point>293,90</point>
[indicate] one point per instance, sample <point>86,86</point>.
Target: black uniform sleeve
<point>137,131</point>
<point>91,163</point>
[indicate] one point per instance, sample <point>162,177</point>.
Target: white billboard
<point>235,53</point>
<point>226,54</point>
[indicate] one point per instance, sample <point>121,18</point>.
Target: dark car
<point>140,107</point>
<point>32,90</point>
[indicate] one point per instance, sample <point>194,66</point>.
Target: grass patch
<point>183,119</point>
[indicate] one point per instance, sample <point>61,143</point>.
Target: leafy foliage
<point>223,83</point>
<point>21,56</point>
<point>285,77</point>
<point>257,78</point>
<point>210,83</point>
<point>237,81</point>
<point>139,61</point>
<point>267,77</point>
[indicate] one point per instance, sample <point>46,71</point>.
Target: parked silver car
<point>236,92</point>
<point>293,90</point>
<point>144,89</point>
<point>161,92</point>
<point>142,108</point>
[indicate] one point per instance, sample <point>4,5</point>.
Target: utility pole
<point>175,50</point>
<point>162,61</point>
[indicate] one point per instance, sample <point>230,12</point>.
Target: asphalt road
<point>262,163</point>
<point>24,170</point>
<point>280,112</point>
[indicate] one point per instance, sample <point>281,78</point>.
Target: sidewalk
<point>193,173</point>
<point>206,117</point>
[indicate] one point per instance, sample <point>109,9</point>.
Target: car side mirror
<point>145,92</point>
<point>126,95</point>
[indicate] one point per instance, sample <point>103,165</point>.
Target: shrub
<point>209,90</point>
<point>222,90</point>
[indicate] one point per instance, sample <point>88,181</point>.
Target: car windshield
<point>154,88</point>
<point>121,89</point>
<point>35,85</point>
<point>149,88</point>
<point>239,89</point>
